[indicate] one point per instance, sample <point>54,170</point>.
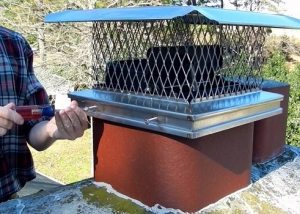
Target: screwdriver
<point>35,112</point>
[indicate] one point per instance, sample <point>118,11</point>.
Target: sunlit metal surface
<point>179,118</point>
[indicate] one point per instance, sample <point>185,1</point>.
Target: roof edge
<point>153,13</point>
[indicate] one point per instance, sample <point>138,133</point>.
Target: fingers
<point>67,117</point>
<point>76,123</point>
<point>8,112</point>
<point>10,106</point>
<point>71,122</point>
<point>63,126</point>
<point>3,131</point>
<point>9,117</point>
<point>6,124</point>
<point>81,116</point>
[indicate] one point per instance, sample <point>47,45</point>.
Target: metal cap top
<point>151,13</point>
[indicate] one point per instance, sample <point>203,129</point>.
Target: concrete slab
<point>274,189</point>
<point>39,184</point>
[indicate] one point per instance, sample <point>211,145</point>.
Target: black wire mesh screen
<point>175,59</point>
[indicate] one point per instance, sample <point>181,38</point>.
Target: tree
<point>256,5</point>
<point>212,3</point>
<point>60,48</point>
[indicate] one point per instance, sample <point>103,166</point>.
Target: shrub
<point>276,68</point>
<point>293,129</point>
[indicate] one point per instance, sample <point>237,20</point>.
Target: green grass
<point>66,161</point>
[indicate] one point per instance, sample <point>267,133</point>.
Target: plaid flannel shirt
<point>19,85</point>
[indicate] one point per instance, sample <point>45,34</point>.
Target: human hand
<point>69,123</point>
<point>8,118</point>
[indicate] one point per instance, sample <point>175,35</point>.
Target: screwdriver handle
<point>35,112</point>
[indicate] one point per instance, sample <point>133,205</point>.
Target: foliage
<point>257,5</point>
<point>293,130</point>
<point>213,3</point>
<point>59,49</point>
<point>288,46</point>
<point>276,68</point>
<point>251,5</point>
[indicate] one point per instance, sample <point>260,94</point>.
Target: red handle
<point>35,112</point>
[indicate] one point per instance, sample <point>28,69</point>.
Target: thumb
<point>74,103</point>
<point>11,106</point>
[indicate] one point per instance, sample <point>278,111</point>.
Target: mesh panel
<point>180,59</point>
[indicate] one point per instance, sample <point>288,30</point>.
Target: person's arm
<point>69,124</point>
